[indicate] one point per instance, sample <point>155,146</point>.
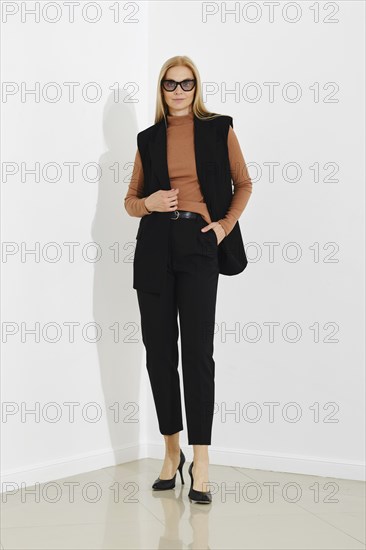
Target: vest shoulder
<point>222,121</point>
<point>144,137</point>
<point>148,131</point>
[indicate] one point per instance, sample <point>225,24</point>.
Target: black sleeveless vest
<point>214,176</point>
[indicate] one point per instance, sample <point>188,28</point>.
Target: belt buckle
<point>176,217</point>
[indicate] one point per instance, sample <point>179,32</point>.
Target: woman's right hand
<point>162,201</point>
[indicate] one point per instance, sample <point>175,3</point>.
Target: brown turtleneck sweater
<point>182,175</point>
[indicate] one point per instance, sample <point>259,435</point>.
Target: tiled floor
<point>251,509</point>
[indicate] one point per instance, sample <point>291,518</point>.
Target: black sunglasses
<point>187,85</point>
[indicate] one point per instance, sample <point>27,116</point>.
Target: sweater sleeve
<point>241,180</point>
<point>134,199</point>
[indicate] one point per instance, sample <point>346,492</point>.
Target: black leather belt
<point>184,214</point>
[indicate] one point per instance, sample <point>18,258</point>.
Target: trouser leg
<point>160,333</point>
<point>197,273</point>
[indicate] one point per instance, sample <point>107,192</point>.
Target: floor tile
<point>272,532</point>
<point>137,534</point>
<point>116,507</point>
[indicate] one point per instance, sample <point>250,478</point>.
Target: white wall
<point>313,359</point>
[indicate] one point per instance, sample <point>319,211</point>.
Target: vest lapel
<point>158,155</point>
<point>205,153</point>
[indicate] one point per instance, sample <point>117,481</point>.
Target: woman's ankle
<point>172,445</point>
<point>172,452</point>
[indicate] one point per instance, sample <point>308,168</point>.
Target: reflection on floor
<point>254,509</point>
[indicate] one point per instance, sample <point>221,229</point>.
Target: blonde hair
<point>198,107</point>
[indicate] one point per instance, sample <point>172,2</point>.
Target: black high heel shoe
<point>164,484</point>
<point>201,497</point>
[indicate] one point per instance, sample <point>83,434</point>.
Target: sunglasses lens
<point>187,85</point>
<point>169,85</point>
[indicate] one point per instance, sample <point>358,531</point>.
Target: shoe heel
<point>181,473</point>
<point>180,467</point>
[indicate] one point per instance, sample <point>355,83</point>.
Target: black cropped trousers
<point>190,291</point>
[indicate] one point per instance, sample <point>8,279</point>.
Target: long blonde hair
<point>198,107</point>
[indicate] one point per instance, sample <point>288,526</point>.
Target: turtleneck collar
<point>179,120</point>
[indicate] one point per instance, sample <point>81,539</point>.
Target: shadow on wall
<point>115,306</point>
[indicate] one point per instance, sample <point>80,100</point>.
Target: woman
<point>189,233</point>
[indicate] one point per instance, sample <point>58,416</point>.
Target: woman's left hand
<point>219,230</point>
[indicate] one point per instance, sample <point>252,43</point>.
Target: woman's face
<point>179,101</point>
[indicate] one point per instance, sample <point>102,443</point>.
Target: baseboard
<point>71,466</point>
<point>273,462</point>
